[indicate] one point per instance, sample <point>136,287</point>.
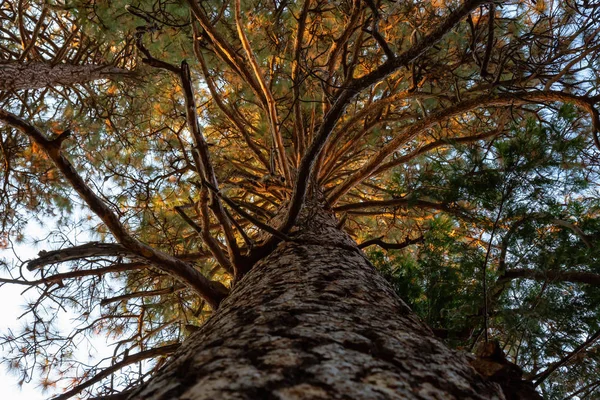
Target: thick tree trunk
<point>36,75</point>
<point>314,320</point>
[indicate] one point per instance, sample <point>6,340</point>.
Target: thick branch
<point>298,125</point>
<point>390,246</point>
<point>406,203</point>
<point>212,292</point>
<point>93,249</point>
<point>589,278</point>
<point>221,104</point>
<point>206,166</point>
<point>271,106</point>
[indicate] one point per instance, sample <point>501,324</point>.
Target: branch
<point>490,40</point>
<point>188,220</point>
<point>219,101</point>
<point>541,377</point>
<point>36,75</point>
<point>147,293</point>
<point>256,222</point>
<point>298,125</point>
<point>206,167</point>
<point>589,278</point>
<point>434,145</point>
<point>355,86</point>
<point>116,396</point>
<point>93,249</point>
<point>213,292</point>
<point>406,203</point>
<point>268,96</point>
<point>390,246</point>
<point>150,60</point>
<point>486,100</point>
<point>223,49</point>
<point>58,278</point>
<point>130,359</point>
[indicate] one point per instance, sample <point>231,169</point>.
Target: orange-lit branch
<point>486,100</point>
<point>268,96</point>
<point>350,91</point>
<point>207,171</point>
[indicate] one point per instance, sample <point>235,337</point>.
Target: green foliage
<point>494,188</point>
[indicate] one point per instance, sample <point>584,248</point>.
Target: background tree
<point>456,142</point>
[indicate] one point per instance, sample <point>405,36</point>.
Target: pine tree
<point>277,174</point>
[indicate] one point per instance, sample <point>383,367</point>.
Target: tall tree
<point>457,142</point>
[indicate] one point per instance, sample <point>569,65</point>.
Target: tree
<point>455,141</point>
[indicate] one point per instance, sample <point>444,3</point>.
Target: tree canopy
<point>456,141</point>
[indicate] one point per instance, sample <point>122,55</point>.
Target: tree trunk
<point>36,75</point>
<point>314,320</point>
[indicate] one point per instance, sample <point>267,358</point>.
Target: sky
<point>12,305</point>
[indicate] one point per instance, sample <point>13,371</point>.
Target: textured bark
<point>314,320</point>
<point>36,75</point>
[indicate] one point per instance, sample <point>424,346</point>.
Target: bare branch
<point>93,249</point>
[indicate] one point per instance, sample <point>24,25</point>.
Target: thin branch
<point>404,202</point>
<point>241,212</point>
<point>93,249</point>
<point>490,40</point>
<point>130,359</point>
<point>221,104</point>
<point>58,278</point>
<point>146,293</point>
<point>224,49</point>
<point>434,145</point>
<point>188,220</point>
<point>589,278</point>
<point>486,100</point>
<point>541,377</point>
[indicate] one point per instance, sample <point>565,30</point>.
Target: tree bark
<point>314,320</point>
<point>36,75</point>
